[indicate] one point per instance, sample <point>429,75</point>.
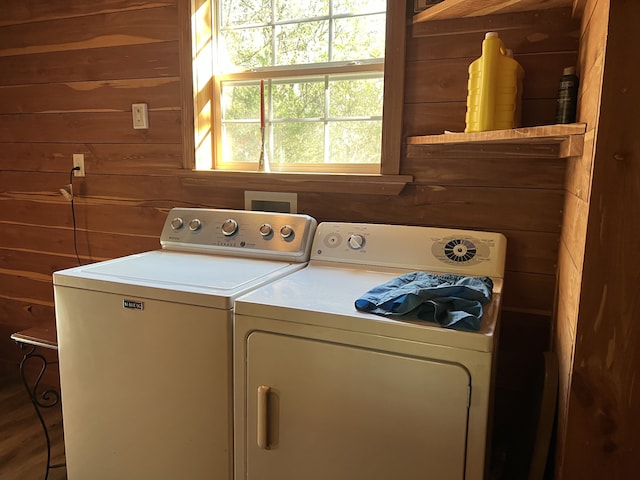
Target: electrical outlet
<point>78,161</point>
<point>140,116</point>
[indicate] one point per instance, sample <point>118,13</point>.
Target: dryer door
<point>321,410</point>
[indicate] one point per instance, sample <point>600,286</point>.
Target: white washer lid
<point>181,277</point>
<point>324,295</point>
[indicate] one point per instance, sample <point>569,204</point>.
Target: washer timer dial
<point>229,227</point>
<point>356,241</point>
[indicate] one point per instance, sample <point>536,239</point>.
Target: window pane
<point>247,48</point>
<point>295,100</point>
<point>359,38</point>
<point>359,6</point>
<point>302,43</point>
<point>355,142</point>
<point>356,97</point>
<point>241,142</point>
<point>240,102</point>
<point>290,10</point>
<point>298,142</point>
<point>240,12</point>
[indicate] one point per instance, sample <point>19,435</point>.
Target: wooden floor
<point>22,441</point>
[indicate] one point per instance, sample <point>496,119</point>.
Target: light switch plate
<point>140,116</point>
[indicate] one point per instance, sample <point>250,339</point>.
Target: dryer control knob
<point>356,241</point>
<point>286,231</point>
<point>266,229</point>
<point>177,223</point>
<point>229,227</point>
<point>194,225</point>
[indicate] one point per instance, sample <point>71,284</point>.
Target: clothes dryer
<point>323,390</point>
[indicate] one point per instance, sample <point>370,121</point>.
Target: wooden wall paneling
<point>32,183</point>
<point>604,405</point>
<point>99,217</point>
<point>594,28</point>
<point>591,89</point>
<point>165,190</point>
<point>433,118</point>
<point>578,170</point>
<point>531,252</point>
<point>475,208</point>
<point>98,158</point>
<point>502,152</point>
<point>17,11</point>
<point>491,208</point>
<point>111,127</point>
<point>528,293</point>
<point>102,96</point>
<point>93,31</point>
<point>575,228</point>
<point>486,167</point>
<point>92,246</point>
<point>578,8</point>
<point>107,63</point>
<point>526,32</point>
<point>38,289</point>
<point>595,25</point>
<point>570,282</point>
<point>28,262</point>
<point>21,314</point>
<point>445,80</point>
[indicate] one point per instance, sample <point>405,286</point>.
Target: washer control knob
<point>194,225</point>
<point>229,227</point>
<point>286,231</point>
<point>356,241</point>
<point>177,223</point>
<point>266,229</point>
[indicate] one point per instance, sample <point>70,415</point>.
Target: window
<point>297,86</point>
<point>300,84</point>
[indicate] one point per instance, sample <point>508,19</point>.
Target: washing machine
<point>324,390</point>
<point>144,344</point>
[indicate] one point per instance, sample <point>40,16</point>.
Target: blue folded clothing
<point>453,301</point>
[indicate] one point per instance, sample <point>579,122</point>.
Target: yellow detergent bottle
<point>495,88</point>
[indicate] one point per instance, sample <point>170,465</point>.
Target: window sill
<point>301,182</point>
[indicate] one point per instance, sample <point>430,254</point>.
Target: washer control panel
<point>239,232</point>
<point>430,249</point>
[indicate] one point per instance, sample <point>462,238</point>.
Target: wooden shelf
<point>569,138</point>
<point>470,8</point>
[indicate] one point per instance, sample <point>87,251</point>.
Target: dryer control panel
<point>440,250</point>
<point>239,232</point>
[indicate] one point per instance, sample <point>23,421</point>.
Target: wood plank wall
<point>593,33</point>
<point>69,73</point>
<point>598,327</point>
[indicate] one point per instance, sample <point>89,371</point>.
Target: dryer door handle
<point>263,417</point>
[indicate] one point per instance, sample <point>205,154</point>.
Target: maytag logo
<point>133,304</point>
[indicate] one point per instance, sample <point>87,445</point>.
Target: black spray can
<point>567,96</point>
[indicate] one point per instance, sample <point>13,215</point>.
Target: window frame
<point>199,111</point>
